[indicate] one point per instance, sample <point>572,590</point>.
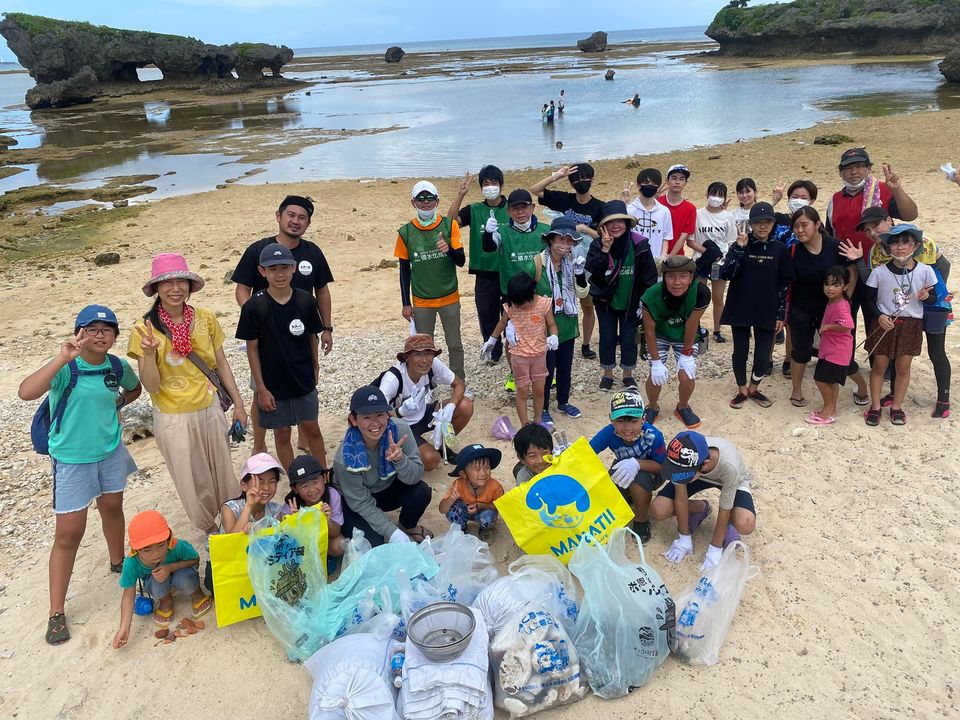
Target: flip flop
<point>818,419</point>
<point>201,607</point>
<point>738,400</point>
<point>798,402</point>
<point>760,399</point>
<point>162,618</point>
<point>860,399</point>
<point>418,534</point>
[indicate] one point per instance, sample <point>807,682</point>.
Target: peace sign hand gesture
<point>778,190</point>
<point>890,177</point>
<point>149,342</point>
<point>72,346</point>
<point>605,240</point>
<point>394,449</point>
<point>625,193</point>
<point>464,187</point>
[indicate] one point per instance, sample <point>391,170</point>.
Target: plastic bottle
<point>396,667</point>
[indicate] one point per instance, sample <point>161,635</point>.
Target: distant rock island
<point>73,62</point>
<point>804,27</point>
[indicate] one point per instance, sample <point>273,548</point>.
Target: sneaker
<point>941,410</point>
<point>650,414</point>
<point>780,338</point>
<point>546,419</point>
<point>606,384</point>
<point>717,337</point>
<point>630,382</point>
<point>642,529</point>
<point>688,417</point>
<point>587,352</point>
<point>785,368</point>
<point>570,410</point>
<point>510,385</point>
<point>730,536</point>
<point>887,400</point>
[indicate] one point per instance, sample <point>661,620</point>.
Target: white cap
<point>424,186</point>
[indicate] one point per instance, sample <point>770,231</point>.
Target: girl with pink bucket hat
<point>179,352</point>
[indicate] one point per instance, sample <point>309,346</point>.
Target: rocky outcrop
<point>595,43</point>
<point>56,51</point>
<point>804,27</point>
<point>950,67</point>
<point>394,54</point>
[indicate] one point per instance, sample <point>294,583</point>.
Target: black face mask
<point>582,186</point>
<point>648,191</point>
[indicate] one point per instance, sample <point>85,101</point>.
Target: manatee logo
<point>560,501</point>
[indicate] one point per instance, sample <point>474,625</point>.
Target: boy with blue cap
<point>471,496</point>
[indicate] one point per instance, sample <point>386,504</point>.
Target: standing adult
<point>586,210</point>
<point>178,347</point>
<point>484,266</point>
<point>312,274</point>
<point>682,212</point>
<point>716,232</point>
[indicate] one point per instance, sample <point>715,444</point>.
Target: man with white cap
<point>430,251</point>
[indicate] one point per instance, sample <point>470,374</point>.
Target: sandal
<point>201,607</point>
<point>738,400</point>
<point>418,534</point>
<point>872,417</point>
<point>162,618</point>
<point>860,399</point>
<point>887,400</point>
<point>760,399</point>
<point>57,632</point>
<point>898,417</point>
<point>650,415</point>
<point>818,419</point>
<point>116,567</point>
<point>941,410</point>
<point>798,402</point>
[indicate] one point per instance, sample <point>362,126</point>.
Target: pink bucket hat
<point>170,266</point>
<point>259,463</point>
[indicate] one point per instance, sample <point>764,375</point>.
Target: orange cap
<point>148,528</point>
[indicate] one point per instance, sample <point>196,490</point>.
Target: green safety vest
<point>568,327</point>
<point>479,214</point>
<point>670,323</point>
<point>620,300</point>
<point>432,273</point>
<point>517,251</point>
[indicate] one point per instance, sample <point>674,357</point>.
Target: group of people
<point>620,268</point>
<point>551,110</point>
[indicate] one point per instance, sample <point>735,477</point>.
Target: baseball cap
<point>626,403</point>
<point>519,197</point>
<point>368,400</point>
<point>95,313</point>
<point>762,211</point>
<point>686,454</point>
<point>305,468</point>
<point>259,463</point>
<point>854,155</point>
<point>276,254</point>
<point>148,528</point>
<point>872,215</point>
<point>678,168</point>
<point>424,187</point>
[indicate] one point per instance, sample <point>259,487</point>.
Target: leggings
<point>937,352</point>
<point>561,361</point>
<point>616,328</point>
<point>762,345</point>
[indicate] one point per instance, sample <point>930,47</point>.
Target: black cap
<point>872,215</point>
<point>762,211</point>
<point>300,201</point>
<point>305,468</point>
<point>368,400</point>
<point>519,197</point>
<point>854,155</point>
<point>562,225</point>
<point>276,254</point>
<point>475,452</point>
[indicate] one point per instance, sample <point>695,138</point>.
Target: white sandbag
<point>351,680</point>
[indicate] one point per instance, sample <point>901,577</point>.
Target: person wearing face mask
<point>586,210</point>
<point>484,266</point>
<point>716,232</point>
<point>654,221</point>
<point>683,212</point>
<point>430,252</point>
<point>800,194</point>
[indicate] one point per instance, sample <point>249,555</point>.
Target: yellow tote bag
<point>572,501</point>
<point>235,599</point>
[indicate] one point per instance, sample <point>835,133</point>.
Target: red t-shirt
<point>845,213</point>
<point>684,217</point>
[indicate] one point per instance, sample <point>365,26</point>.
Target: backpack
<point>395,371</point>
<point>42,426</point>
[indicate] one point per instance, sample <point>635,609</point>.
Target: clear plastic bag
<point>626,617</point>
<point>466,566</point>
<point>351,680</point>
<point>705,610</point>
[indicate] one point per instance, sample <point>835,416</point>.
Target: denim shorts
<point>291,412</point>
<point>76,485</point>
<point>185,581</point>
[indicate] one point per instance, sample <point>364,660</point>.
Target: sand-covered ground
<point>854,611</point>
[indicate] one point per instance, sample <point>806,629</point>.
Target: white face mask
<point>854,187</point>
<point>796,203</point>
<point>715,202</point>
<point>427,217</point>
<point>522,227</point>
<point>490,192</point>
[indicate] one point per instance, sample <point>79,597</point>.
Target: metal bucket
<point>441,631</point>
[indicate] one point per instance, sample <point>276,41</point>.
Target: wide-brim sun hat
<point>419,342</point>
<point>616,210</point>
<point>170,266</point>
<point>562,227</point>
<point>903,229</point>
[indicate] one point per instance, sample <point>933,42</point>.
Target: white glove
<point>679,549</point>
<point>948,170</point>
<point>413,327</point>
<point>486,350</point>
<point>491,225</point>
<point>658,372</point>
<point>687,363</point>
<point>578,265</point>
<point>511,333</point>
<point>446,414</point>
<point>624,472</point>
<point>412,404</point>
<point>399,536</point>
<point>553,342</point>
<point>441,425</point>
<point>712,558</point>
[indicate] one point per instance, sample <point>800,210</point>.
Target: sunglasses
<point>425,198</point>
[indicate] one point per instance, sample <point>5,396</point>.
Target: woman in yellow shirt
<point>189,425</point>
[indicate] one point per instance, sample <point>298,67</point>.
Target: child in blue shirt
<point>639,450</point>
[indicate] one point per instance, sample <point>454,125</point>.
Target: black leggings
<point>762,346</point>
<point>937,352</point>
<point>561,361</point>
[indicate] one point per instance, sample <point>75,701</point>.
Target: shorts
<point>743,499</point>
<point>528,369</point>
<point>76,485</point>
<point>831,373</point>
<point>291,412</point>
<point>422,426</point>
<point>664,347</point>
<point>906,338</point>
<point>647,480</point>
<point>803,326</point>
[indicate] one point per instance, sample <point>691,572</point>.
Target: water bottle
<point>703,339</point>
<point>396,667</point>
<point>715,269</point>
<point>559,441</point>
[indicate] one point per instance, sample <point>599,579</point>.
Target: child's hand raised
<point>394,449</point>
<point>71,348</point>
<point>293,505</point>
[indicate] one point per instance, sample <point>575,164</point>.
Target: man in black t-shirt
<point>586,211</point>
<point>311,274</point>
<point>280,325</point>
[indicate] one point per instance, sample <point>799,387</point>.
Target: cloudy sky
<point>313,23</point>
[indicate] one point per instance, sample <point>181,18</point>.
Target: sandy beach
<point>854,613</point>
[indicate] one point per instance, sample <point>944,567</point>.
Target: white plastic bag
<point>466,565</point>
<point>626,617</point>
<point>351,680</point>
<point>705,611</point>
